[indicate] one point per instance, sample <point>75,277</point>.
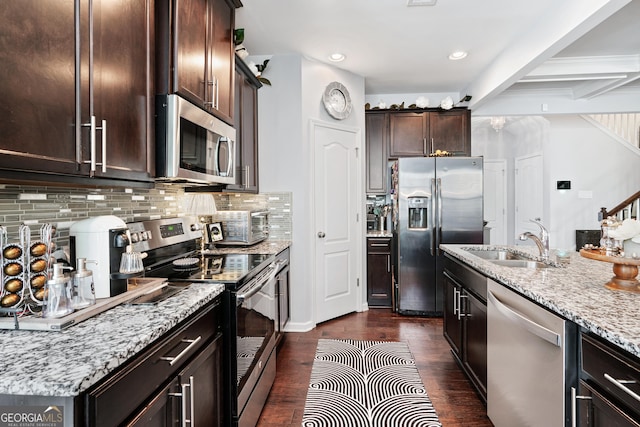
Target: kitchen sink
<point>520,263</point>
<point>499,254</point>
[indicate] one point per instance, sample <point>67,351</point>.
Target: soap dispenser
<point>83,292</point>
<point>56,300</point>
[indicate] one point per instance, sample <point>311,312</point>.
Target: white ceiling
<point>583,47</point>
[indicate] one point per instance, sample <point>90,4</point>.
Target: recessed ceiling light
<point>337,57</point>
<point>460,54</point>
<point>421,2</point>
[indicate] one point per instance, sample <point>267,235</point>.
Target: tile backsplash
<point>36,205</point>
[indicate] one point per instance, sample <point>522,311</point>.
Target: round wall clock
<point>337,101</point>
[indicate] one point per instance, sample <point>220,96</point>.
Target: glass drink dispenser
<point>418,213</point>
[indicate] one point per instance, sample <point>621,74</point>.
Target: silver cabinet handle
<point>217,94</point>
<point>621,385</point>
<point>379,245</point>
<point>432,146</point>
<point>104,146</point>
<point>424,146</point>
<point>183,405</point>
<point>92,141</point>
<point>191,421</point>
<point>574,406</point>
<point>534,328</point>
<point>456,302</point>
<point>173,360</point>
<point>388,263</point>
<point>321,234</point>
<point>247,175</point>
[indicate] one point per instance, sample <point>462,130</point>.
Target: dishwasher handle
<point>528,324</point>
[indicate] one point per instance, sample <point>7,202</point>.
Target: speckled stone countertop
<point>576,292</point>
<point>266,247</point>
<point>378,233</point>
<point>67,363</point>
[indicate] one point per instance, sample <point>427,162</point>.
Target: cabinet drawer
<point>471,280</point>
<point>378,245</point>
<point>115,399</point>
<point>612,371</point>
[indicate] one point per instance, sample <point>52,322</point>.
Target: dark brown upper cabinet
<point>246,124</point>
<point>376,134</point>
<point>196,58</point>
<point>77,89</point>
<point>422,133</point>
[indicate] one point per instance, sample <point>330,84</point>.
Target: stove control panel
<point>157,233</point>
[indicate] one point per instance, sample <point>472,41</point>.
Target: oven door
<point>256,317</point>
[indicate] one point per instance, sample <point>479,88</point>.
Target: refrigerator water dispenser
<point>418,213</point>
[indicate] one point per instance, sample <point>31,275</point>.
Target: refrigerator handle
<point>439,225</point>
<point>432,221</point>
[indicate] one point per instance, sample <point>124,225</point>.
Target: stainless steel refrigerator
<point>439,200</point>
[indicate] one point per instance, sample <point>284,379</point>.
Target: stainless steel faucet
<point>541,242</point>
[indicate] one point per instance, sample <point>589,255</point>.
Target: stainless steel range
<point>250,305</point>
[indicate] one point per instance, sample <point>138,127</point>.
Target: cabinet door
<point>123,59</point>
<point>283,299</point>
<point>376,130</point>
<point>191,51</point>
<point>452,325</point>
<point>379,280</point>
<point>161,411</point>
<point>598,411</point>
<point>407,134</point>
<point>37,82</point>
<point>475,341</point>
<point>246,124</point>
<point>221,57</point>
<point>201,387</point>
<point>450,131</point>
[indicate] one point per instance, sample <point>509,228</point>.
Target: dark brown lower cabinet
<point>379,276</point>
<point>174,381</point>
<point>609,390</point>
<point>194,394</point>
<point>465,321</point>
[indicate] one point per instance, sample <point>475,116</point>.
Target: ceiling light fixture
<point>497,123</point>
<point>459,54</point>
<point>421,2</point>
<point>337,57</point>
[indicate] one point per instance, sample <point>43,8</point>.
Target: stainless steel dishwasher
<point>531,361</point>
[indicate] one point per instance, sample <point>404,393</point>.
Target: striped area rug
<point>366,383</point>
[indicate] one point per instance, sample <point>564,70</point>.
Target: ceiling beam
<point>557,30</point>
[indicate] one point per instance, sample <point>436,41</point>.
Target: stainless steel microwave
<point>243,228</point>
<point>192,144</point>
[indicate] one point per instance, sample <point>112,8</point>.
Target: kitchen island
<point>575,292</point>
<point>54,368</point>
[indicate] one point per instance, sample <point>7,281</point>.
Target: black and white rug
<point>366,383</point>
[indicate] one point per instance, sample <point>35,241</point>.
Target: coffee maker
<point>102,239</point>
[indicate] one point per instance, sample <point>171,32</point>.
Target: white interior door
<point>528,194</point>
<point>495,200</point>
<point>336,199</point>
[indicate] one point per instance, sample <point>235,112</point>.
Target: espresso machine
<point>103,239</point>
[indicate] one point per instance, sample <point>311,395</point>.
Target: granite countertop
<point>576,292</point>
<point>267,247</point>
<point>378,233</point>
<point>68,362</point>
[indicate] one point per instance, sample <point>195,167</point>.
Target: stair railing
<point>627,209</point>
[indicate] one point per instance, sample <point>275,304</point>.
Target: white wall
<point>284,111</point>
<point>573,150</point>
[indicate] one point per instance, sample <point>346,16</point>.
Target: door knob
<point>321,234</point>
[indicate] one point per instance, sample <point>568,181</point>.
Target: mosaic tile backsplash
<point>36,205</point>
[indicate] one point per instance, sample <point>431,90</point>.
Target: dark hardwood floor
<point>450,392</point>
